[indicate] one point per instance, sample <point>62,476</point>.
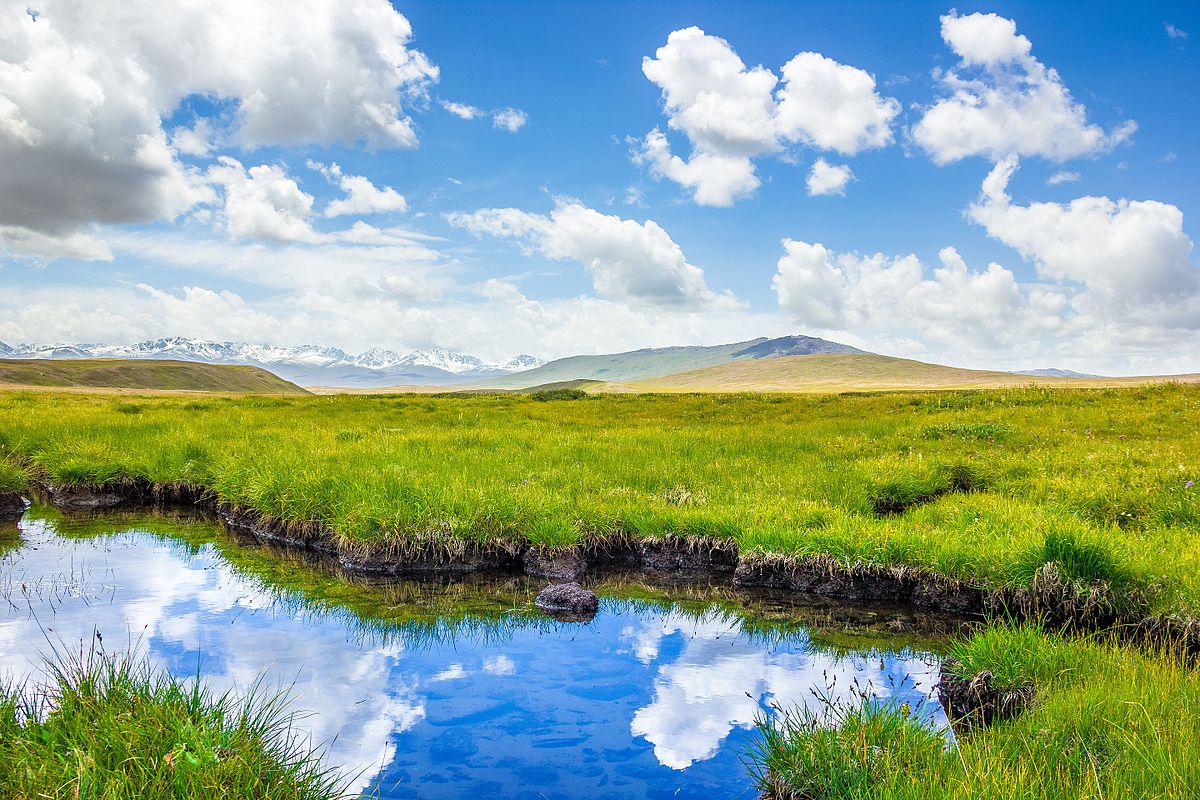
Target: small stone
<point>568,601</point>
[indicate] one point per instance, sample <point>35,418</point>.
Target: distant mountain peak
<point>651,362</point>
<point>307,364</point>
<point>454,363</point>
<point>521,363</point>
<point>797,345</point>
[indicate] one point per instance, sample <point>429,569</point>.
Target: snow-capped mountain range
<point>307,365</point>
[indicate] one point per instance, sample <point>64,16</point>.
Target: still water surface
<point>436,690</point>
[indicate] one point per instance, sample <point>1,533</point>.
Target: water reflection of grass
<point>770,618</point>
<point>10,538</point>
<point>489,609</point>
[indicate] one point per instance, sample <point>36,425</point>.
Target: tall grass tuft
<point>111,726</point>
<point>1077,559</point>
<point>840,752</point>
<point>545,395</point>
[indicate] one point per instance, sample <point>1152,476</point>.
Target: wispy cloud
<point>509,119</point>
<point>506,119</point>
<point>1061,177</point>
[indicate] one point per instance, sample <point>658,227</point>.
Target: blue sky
<point>187,188</point>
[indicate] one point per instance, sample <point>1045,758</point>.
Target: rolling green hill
<point>152,375</point>
<point>855,371</point>
<point>650,363</point>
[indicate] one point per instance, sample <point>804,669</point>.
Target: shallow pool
<point>433,689</point>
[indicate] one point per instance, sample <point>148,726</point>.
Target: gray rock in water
<point>568,601</point>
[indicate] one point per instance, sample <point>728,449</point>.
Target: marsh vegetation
<point>984,486</point>
<point>998,488</point>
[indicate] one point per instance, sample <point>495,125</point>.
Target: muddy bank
<point>124,495</point>
<point>979,700</point>
<point>12,506</point>
<point>858,582</point>
<point>1050,598</point>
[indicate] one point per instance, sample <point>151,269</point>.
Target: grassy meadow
<point>856,371</point>
<point>985,485</point>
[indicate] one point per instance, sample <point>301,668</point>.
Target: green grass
<point>841,751</point>
<point>1095,479</point>
<point>1109,721</point>
<point>13,477</point>
<point>545,395</point>
<point>111,727</point>
<point>114,373</point>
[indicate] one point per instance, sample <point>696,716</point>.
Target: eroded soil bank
<point>1049,598</point>
<point>12,505</point>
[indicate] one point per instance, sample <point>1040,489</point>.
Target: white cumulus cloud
<point>627,260</point>
<point>1009,102</point>
<point>362,196</point>
<point>263,202</point>
<point>898,297</point>
<point>194,141</point>
<point>1115,289</point>
<point>732,114</point>
<point>84,87</point>
<point>826,178</point>
<point>1130,257</point>
<point>833,106</point>
<point>462,110</point>
<point>505,119</point>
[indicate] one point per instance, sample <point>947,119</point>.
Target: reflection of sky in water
<point>639,703</point>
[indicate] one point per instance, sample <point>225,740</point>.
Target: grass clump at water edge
<point>1107,721</point>
<point>840,752</point>
<point>113,727</point>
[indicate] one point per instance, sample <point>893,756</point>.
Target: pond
<point>441,689</point>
